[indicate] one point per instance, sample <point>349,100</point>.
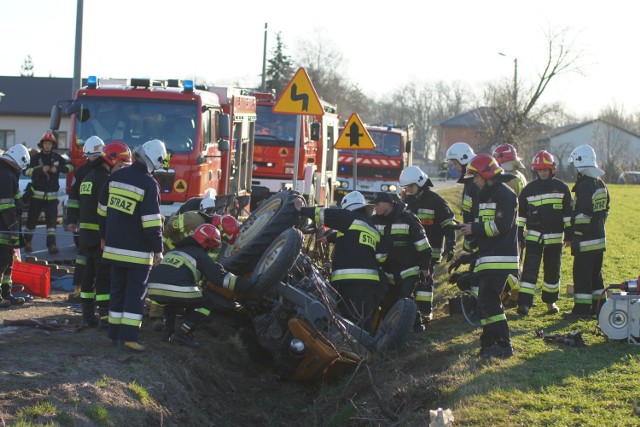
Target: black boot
<point>89,319</point>
<point>8,296</point>
<point>185,336</point>
<point>168,324</point>
<point>103,315</point>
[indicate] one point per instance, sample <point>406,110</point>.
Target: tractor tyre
<point>396,325</point>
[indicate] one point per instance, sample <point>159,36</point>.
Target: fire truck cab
<point>209,136</point>
<point>378,170</point>
<point>273,159</point>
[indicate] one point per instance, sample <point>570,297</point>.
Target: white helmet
<point>414,175</point>
<point>18,154</point>
<point>93,145</point>
<point>584,160</point>
<point>206,204</point>
<point>353,201</point>
<point>460,151</point>
<point>153,152</point>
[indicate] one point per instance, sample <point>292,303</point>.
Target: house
<point>25,109</point>
<point>471,127</point>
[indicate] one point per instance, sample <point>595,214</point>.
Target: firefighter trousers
<point>126,302</point>
<point>360,300</point>
<point>588,284</point>
<point>549,256</point>
<point>50,208</point>
<point>6,266</point>
<point>495,329</point>
<point>399,288</point>
<point>96,282</point>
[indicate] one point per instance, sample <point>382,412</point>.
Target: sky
<point>385,44</point>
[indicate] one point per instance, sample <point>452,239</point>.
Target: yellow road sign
<point>354,136</point>
<point>299,97</point>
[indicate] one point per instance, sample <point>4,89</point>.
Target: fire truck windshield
<point>387,144</point>
<point>136,121</point>
<point>274,128</point>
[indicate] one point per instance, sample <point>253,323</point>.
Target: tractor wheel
<point>274,216</point>
<point>277,260</point>
<point>394,328</point>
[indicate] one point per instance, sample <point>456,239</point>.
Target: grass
<point>544,383</point>
<point>141,392</point>
<point>99,414</point>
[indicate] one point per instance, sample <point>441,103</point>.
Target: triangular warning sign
<point>299,97</point>
<point>354,136</point>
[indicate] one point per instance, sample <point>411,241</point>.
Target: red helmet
<point>504,153</point>
<point>216,220</point>
<point>207,236</point>
<point>544,160</point>
<point>484,165</point>
<point>229,228</point>
<point>115,151</point>
<point>49,136</point>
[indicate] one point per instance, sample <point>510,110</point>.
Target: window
<point>7,138</point>
<point>62,140</point>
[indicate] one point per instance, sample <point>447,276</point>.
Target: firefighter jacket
<point>129,217</point>
<point>73,202</point>
<point>469,208</point>
<point>495,229</point>
<point>193,204</point>
<point>590,211</point>
<point>45,186</point>
<point>404,245</point>
<point>9,196</point>
<point>90,191</point>
<point>436,217</point>
<point>544,209</point>
<point>183,272</point>
<point>518,183</point>
<point>179,226</point>
<point>356,244</point>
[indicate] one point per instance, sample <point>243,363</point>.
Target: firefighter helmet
<point>460,151</point>
<point>484,165</point>
<point>216,220</point>
<point>207,236</point>
<point>93,145</point>
<point>229,229</point>
<point>544,160</point>
<point>115,151</point>
<point>504,153</point>
<point>49,136</point>
<point>207,205</point>
<point>18,154</point>
<point>583,156</point>
<point>153,153</point>
<point>353,201</point>
<point>414,175</point>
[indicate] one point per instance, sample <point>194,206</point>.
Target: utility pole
<point>515,79</point>
<point>77,58</point>
<point>264,60</point>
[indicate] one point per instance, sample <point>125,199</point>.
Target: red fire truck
<point>273,159</point>
<point>378,170</point>
<point>209,135</point>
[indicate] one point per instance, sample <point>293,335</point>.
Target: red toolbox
<point>35,278</point>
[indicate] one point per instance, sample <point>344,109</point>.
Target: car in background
<point>629,177</point>
<point>62,197</point>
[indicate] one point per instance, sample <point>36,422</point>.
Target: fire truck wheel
<point>277,260</point>
<point>394,328</point>
<point>274,216</point>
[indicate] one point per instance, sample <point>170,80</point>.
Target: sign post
<point>355,137</point>
<point>300,98</point>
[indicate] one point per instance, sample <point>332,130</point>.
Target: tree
<point>280,69</point>
<point>26,70</point>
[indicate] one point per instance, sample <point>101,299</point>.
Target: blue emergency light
<point>92,82</point>
<point>188,86</point>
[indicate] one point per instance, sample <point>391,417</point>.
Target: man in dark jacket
<point>12,162</point>
<point>498,256</point>
<point>44,170</point>
<point>406,253</point>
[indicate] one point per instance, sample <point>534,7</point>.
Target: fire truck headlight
<point>344,184</point>
<point>269,165</point>
<point>384,187</point>
<point>393,188</point>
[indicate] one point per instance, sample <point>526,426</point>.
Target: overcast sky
<point>385,43</point>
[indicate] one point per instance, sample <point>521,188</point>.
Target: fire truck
<point>273,159</point>
<point>209,134</point>
<point>378,170</point>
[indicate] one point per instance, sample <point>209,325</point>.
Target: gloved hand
<point>462,259</point>
<point>449,251</point>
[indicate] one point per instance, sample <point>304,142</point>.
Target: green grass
<point>99,414</point>
<point>544,383</point>
<point>142,393</point>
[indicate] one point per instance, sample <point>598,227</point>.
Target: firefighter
<point>590,211</point>
<point>436,216</point>
<point>97,277</point>
<point>91,151</point>
<point>177,282</point>
<point>406,253</point>
<point>496,233</point>
<point>460,154</point>
<point>355,272</point>
<point>203,204</point>
<point>14,160</point>
<point>44,170</point>
<point>508,159</point>
<point>131,229</point>
<point>544,209</point>
<point>180,225</point>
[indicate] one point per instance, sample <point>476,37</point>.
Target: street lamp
<point>515,78</point>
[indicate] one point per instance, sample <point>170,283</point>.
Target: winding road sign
<point>299,97</point>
